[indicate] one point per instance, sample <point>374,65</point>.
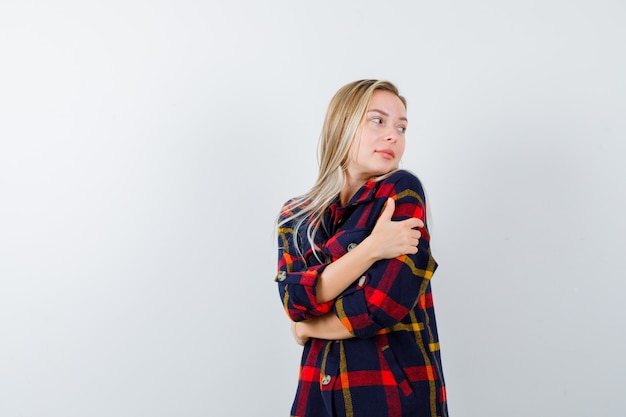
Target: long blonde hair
<point>345,112</point>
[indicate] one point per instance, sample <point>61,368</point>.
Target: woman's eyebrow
<point>386,114</point>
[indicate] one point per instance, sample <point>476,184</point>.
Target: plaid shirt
<point>392,366</point>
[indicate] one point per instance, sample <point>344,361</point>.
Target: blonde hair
<point>345,112</point>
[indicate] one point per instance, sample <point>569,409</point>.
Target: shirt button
<point>282,275</point>
<point>326,379</point>
<point>361,281</point>
<point>351,246</point>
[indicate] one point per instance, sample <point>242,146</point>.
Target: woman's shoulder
<point>292,207</point>
<point>403,178</point>
<point>401,183</point>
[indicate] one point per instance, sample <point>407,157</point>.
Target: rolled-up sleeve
<point>390,288</point>
<point>297,280</point>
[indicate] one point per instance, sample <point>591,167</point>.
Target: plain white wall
<point>146,146</point>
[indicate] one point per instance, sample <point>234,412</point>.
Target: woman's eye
<point>377,120</point>
<point>402,129</point>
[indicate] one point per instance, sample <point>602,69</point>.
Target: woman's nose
<point>391,135</point>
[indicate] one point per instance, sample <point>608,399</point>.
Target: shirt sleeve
<point>390,288</point>
<point>297,277</point>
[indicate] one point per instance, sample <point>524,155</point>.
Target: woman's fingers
<point>413,222</point>
<point>387,212</point>
<point>396,237</point>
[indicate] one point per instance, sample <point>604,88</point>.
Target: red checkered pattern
<point>392,367</point>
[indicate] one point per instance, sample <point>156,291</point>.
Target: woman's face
<point>379,144</point>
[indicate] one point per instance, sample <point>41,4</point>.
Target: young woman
<point>354,269</point>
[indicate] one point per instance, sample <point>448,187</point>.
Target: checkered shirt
<point>392,367</point>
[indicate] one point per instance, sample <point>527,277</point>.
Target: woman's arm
<point>388,240</point>
<point>309,291</point>
<point>391,288</point>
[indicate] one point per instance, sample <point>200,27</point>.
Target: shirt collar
<point>363,195</point>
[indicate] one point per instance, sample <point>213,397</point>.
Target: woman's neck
<point>350,188</point>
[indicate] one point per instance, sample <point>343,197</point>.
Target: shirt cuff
<point>298,290</point>
<point>351,309</point>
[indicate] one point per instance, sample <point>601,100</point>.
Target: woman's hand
<point>390,239</point>
<point>327,326</point>
<point>294,331</point>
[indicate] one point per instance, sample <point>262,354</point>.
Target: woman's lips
<point>386,153</point>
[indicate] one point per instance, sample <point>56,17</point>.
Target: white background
<point>146,147</point>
